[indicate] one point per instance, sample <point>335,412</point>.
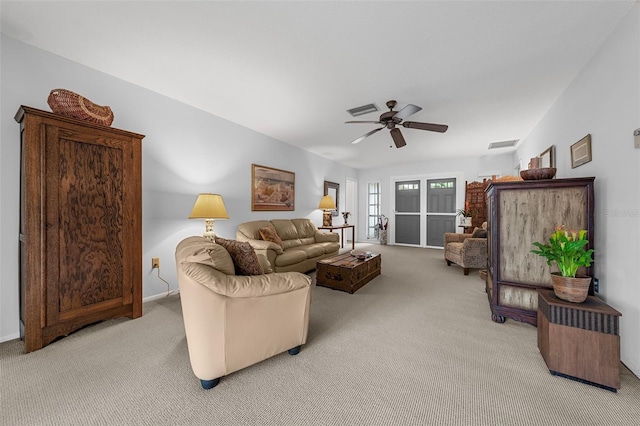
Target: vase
<point>383,237</point>
<point>572,289</point>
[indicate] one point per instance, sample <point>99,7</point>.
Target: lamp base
<point>208,230</point>
<point>327,218</point>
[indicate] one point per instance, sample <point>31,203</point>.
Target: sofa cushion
<point>268,233</point>
<point>313,250</point>
<point>214,255</point>
<point>291,256</point>
<point>244,257</point>
<point>305,228</point>
<point>252,229</point>
<point>286,229</point>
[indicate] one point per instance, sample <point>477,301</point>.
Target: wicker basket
<point>66,102</point>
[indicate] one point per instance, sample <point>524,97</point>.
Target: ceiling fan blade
<point>398,139</point>
<point>426,126</point>
<point>369,122</point>
<point>405,112</point>
<point>361,138</point>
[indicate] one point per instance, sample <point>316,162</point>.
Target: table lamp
<point>327,204</point>
<point>209,207</point>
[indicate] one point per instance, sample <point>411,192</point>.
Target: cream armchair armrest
<point>326,237</point>
<point>265,285</point>
<point>245,286</point>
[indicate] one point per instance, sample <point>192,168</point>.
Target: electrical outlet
<point>155,262</point>
<point>596,285</point>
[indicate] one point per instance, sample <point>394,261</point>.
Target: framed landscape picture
<point>581,152</point>
<point>272,189</point>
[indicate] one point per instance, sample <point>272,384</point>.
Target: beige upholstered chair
<point>232,322</point>
<point>466,250</point>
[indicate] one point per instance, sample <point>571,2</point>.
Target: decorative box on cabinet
<point>520,213</point>
<point>80,225</point>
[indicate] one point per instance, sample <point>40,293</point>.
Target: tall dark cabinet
<point>520,213</point>
<point>80,225</point>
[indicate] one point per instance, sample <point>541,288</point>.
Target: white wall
<point>185,151</point>
<point>604,101</point>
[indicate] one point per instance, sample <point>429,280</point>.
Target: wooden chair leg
<point>466,271</point>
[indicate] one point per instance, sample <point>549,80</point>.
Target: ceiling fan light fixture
<point>362,110</point>
<point>503,144</point>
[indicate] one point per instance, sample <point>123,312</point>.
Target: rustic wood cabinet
<point>520,213</point>
<point>80,225</point>
<point>580,341</point>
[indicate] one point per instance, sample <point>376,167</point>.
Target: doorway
<point>424,209</point>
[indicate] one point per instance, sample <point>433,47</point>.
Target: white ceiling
<point>291,69</point>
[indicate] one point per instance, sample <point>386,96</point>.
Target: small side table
<point>580,341</point>
<point>342,228</point>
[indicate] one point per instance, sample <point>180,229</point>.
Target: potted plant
<point>569,250</point>
<point>465,216</point>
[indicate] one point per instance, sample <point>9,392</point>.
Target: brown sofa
<point>467,250</point>
<point>302,243</point>
<point>232,322</point>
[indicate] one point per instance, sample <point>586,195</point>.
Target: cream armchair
<point>232,322</point>
<point>467,250</point>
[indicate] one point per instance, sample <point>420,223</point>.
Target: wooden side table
<point>342,228</point>
<point>580,341</point>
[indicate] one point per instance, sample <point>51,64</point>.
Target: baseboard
<point>159,296</point>
<point>9,337</point>
<point>145,300</point>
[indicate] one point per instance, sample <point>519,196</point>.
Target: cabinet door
<point>85,197</point>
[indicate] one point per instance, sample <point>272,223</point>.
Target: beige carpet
<point>416,346</point>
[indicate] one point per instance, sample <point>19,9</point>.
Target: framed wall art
<point>581,152</point>
<point>548,157</point>
<point>333,189</point>
<point>272,189</point>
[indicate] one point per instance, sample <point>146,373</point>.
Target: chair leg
<point>466,271</point>
<point>295,351</point>
<point>448,262</point>
<point>209,384</point>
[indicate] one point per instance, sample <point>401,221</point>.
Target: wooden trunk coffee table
<point>347,273</point>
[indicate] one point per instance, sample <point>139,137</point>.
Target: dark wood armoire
<point>80,225</point>
<point>518,214</point>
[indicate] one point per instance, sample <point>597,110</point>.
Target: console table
<point>342,228</point>
<point>580,341</point>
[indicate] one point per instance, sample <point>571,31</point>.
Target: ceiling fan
<point>392,118</point>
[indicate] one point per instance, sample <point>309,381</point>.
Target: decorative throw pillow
<point>268,233</point>
<point>479,233</point>
<point>243,255</point>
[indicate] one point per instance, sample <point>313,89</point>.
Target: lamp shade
<point>209,206</point>
<point>327,203</point>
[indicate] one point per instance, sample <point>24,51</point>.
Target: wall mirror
<point>333,189</point>
<point>548,157</point>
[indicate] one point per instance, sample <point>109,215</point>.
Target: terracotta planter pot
<point>571,289</point>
